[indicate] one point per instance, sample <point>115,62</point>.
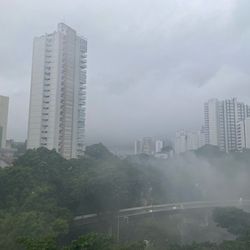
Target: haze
<point>151,64</point>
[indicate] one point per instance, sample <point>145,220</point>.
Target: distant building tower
<point>192,140</point>
<point>4,109</point>
<point>159,144</point>
<point>58,92</point>
<point>243,134</point>
<point>180,142</point>
<point>202,137</point>
<point>147,145</point>
<point>188,140</point>
<point>211,114</point>
<point>221,118</point>
<point>138,147</point>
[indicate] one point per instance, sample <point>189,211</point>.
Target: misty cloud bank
<point>151,66</point>
<point>206,174</point>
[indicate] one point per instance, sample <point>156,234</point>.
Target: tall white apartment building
<point>211,114</point>
<point>188,140</point>
<point>180,143</point>
<point>243,134</point>
<point>138,147</point>
<point>221,118</point>
<point>148,145</point>
<point>159,144</point>
<point>202,137</point>
<point>4,109</point>
<point>58,92</point>
<point>145,146</point>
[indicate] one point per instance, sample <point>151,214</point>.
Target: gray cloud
<point>151,65</point>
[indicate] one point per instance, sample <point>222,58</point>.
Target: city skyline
<point>141,70</point>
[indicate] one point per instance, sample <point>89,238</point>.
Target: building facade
<point>4,110</point>
<point>221,118</point>
<point>188,140</point>
<point>58,92</point>
<point>243,134</point>
<point>211,115</point>
<point>148,146</point>
<point>159,144</point>
<point>138,147</point>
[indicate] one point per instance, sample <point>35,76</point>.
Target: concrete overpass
<point>172,207</point>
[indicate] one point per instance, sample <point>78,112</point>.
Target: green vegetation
<point>235,221</point>
<point>42,193</point>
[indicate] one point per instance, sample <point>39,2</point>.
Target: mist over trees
<point>43,192</point>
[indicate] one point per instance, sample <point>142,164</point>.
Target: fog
<point>151,66</point>
<point>225,178</point>
<point>202,175</point>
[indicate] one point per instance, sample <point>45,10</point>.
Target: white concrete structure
<point>58,92</point>
<point>4,110</point>
<point>159,144</point>
<point>211,113</point>
<point>192,140</point>
<point>202,137</point>
<point>138,147</point>
<point>243,134</point>
<point>221,118</point>
<point>148,145</point>
<point>180,144</point>
<point>188,140</point>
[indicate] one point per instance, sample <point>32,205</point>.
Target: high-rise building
<point>188,140</point>
<point>202,137</point>
<point>193,140</point>
<point>58,92</point>
<point>148,145</point>
<point>159,144</point>
<point>243,134</point>
<point>180,143</point>
<point>211,114</point>
<point>4,109</point>
<point>145,146</point>
<point>138,147</point>
<point>221,118</point>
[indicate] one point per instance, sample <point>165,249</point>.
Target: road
<point>172,207</point>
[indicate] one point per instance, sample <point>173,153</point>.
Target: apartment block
<point>243,134</point>
<point>4,109</point>
<point>221,118</point>
<point>58,92</point>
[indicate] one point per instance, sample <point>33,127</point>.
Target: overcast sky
<point>151,63</point>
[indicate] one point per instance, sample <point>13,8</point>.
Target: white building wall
<point>211,121</point>
<point>4,109</point>
<point>247,133</point>
<point>192,140</point>
<point>188,140</point>
<point>202,137</point>
<point>158,146</point>
<point>241,143</point>
<point>221,118</point>
<point>36,93</point>
<point>58,93</point>
<point>180,142</point>
<point>147,146</point>
<point>137,147</point>
<point>243,134</point>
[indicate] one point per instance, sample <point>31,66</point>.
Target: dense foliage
<point>42,193</point>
